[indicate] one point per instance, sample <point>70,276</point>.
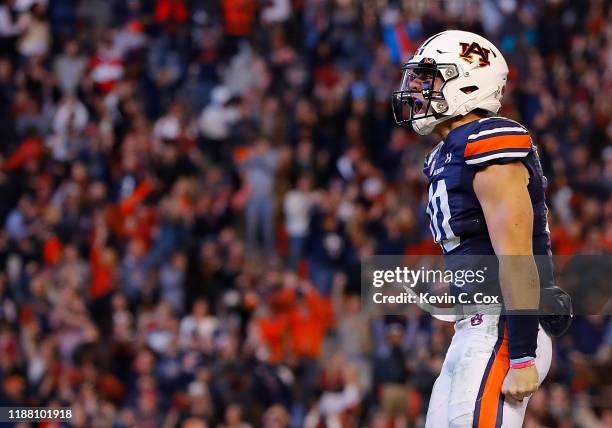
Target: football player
<point>486,197</point>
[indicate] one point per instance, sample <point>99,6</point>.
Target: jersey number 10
<point>440,228</point>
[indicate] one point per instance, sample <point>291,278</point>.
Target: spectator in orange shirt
<point>239,17</point>
<point>309,322</point>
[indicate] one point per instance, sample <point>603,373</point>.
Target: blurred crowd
<point>188,187</point>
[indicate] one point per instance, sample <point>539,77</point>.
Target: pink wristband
<point>522,365</point>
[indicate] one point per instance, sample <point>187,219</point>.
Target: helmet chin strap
<point>423,126</point>
<point>426,125</point>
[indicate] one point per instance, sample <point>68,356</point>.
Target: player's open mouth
<point>418,106</point>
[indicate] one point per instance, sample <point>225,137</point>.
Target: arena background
<point>187,188</point>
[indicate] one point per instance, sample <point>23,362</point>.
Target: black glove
<point>556,310</point>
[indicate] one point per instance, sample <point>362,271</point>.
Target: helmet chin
<point>425,125</point>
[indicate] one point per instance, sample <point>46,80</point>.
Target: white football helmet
<point>450,74</point>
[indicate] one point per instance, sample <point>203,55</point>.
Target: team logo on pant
<point>468,50</point>
<point>476,320</point>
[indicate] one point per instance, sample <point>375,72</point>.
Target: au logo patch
<point>468,50</point>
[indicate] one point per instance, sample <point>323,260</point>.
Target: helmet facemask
<point>420,100</point>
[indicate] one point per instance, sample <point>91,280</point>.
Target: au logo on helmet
<point>468,50</point>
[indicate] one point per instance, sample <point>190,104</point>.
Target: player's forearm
<point>520,282</point>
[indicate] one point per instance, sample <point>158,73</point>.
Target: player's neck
<point>444,128</point>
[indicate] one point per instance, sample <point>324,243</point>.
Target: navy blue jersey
<point>457,221</point>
